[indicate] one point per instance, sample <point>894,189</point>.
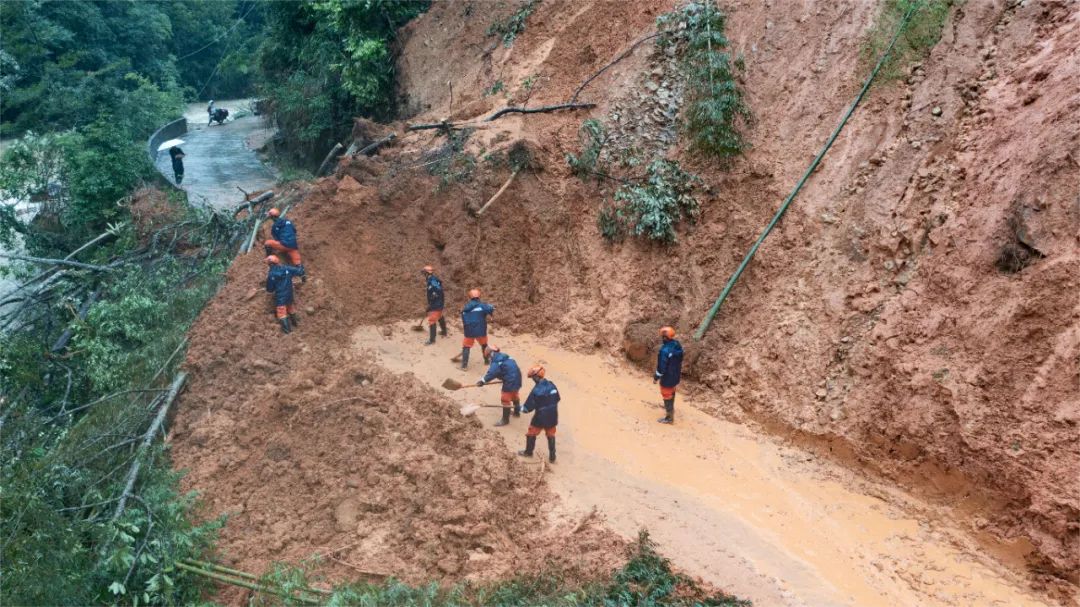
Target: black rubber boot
<point>669,409</point>
<point>505,417</point>
<point>551,449</point>
<point>465,358</point>
<point>517,408</point>
<point>431,336</point>
<point>294,320</point>
<point>285,328</point>
<point>530,445</point>
<point>442,328</point>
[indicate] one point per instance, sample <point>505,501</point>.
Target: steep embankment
<point>875,321</point>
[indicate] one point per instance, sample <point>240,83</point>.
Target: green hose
<point>798,186</point>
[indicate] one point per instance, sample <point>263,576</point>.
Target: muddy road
<point>765,521</point>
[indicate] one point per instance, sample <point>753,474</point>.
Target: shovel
<point>453,384</point>
<point>468,410</point>
<point>419,327</point>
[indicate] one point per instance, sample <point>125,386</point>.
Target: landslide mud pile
<point>311,450</point>
<point>915,311</point>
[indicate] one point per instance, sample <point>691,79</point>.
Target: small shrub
<point>654,208</point>
<point>593,137</point>
<point>715,112</point>
<point>495,89</point>
<point>921,34</point>
<point>513,25</point>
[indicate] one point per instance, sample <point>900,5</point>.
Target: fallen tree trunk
<point>57,262</point>
<point>248,204</point>
<point>431,125</point>
<point>370,148</point>
<point>539,110</point>
<point>499,193</point>
<point>133,473</point>
<point>330,156</point>
<point>84,309</point>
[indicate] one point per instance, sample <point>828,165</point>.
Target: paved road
<point>219,159</point>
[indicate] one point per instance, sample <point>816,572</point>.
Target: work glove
<point>480,383</point>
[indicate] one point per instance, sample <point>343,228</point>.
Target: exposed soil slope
<point>875,322</point>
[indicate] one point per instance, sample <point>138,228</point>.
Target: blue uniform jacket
<point>474,317</point>
<point>503,367</point>
<point>284,232</point>
<point>544,400</point>
<point>279,282</point>
<point>669,364</point>
<point>434,294</point>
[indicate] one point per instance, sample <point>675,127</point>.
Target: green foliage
<point>450,162</point>
<point>215,43</point>
<point>715,112</point>
<point>646,580</point>
<point>654,208</point>
<point>509,28</point>
<point>921,34</point>
<point>593,137</point>
<point>323,62</point>
<point>72,429</point>
<point>495,89</point>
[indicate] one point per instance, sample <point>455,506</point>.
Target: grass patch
<point>509,28</point>
<point>645,581</point>
<point>921,34</point>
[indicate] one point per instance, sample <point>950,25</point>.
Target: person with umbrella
<point>177,155</point>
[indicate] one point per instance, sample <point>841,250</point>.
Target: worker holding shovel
<point>435,304</point>
<point>474,318</point>
<point>279,282</point>
<point>668,372</point>
<point>543,403</point>
<point>503,367</point>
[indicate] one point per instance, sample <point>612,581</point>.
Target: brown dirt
<point>873,325</point>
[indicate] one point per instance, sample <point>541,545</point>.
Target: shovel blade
<point>418,328</point>
<point>452,384</point>
<point>468,410</point>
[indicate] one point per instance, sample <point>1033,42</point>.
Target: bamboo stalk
<point>245,584</point>
<point>499,193</point>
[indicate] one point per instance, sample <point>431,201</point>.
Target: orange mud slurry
<point>765,521</point>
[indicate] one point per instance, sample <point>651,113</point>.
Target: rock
<point>827,218</point>
<point>652,86</point>
<point>889,265</point>
<point>821,393</point>
<point>346,515</point>
<point>309,310</point>
<point>635,350</point>
<point>387,331</point>
<point>449,565</point>
<point>936,111</point>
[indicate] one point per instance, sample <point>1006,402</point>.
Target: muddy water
<point>764,521</point>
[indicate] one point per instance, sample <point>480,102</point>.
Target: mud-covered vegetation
<point>646,580</point>
<point>921,34</point>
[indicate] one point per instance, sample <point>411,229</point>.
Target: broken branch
<point>499,193</point>
<point>618,58</point>
<point>57,262</point>
<point>539,110</point>
<point>370,148</point>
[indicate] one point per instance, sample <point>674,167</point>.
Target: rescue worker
<point>543,403</point>
<point>505,368</point>
<point>435,304</point>
<point>279,282</point>
<point>474,318</point>
<point>283,240</point>
<point>668,372</point>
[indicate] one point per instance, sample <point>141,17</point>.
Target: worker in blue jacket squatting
<point>284,238</point>
<point>435,304</point>
<point>543,403</point>
<point>503,367</point>
<point>279,282</point>
<point>668,372</point>
<point>474,317</point>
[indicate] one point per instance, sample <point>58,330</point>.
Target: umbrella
<point>168,144</point>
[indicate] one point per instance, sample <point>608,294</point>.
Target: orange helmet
<point>474,293</point>
<point>273,260</point>
<point>429,269</point>
<point>274,213</point>
<point>536,371</point>
<point>668,332</point>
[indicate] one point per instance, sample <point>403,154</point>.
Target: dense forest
<point>112,267</point>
